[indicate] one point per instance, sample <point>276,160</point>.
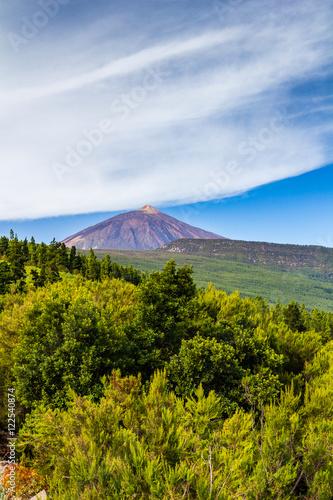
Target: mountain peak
<point>137,230</point>
<point>149,209</point>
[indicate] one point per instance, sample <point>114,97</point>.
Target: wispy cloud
<point>124,66</point>
<point>180,106</point>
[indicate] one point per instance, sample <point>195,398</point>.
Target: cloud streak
<point>243,91</point>
<point>129,64</point>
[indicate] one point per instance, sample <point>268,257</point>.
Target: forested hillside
<point>310,259</point>
<point>144,386</point>
<point>308,287</point>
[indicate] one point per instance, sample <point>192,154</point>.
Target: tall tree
<point>93,266</point>
<point>63,260</point>
<point>106,267</point>
<point>72,256</point>
<point>6,277</point>
<point>42,254</point>
<point>4,244</point>
<point>33,251</point>
<point>16,259</point>
<point>25,250</point>
<point>293,318</point>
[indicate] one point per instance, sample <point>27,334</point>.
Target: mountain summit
<point>148,209</point>
<point>143,229</point>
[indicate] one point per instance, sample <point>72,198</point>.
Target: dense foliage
<point>23,262</point>
<point>151,388</point>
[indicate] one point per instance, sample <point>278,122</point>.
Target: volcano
<point>143,229</point>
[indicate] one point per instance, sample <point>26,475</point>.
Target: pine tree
<point>53,252</point>
<point>62,257</point>
<point>38,279</point>
<point>42,254</point>
<point>16,259</point>
<point>42,276</point>
<point>293,318</point>
<point>52,273</point>
<point>33,251</point>
<point>25,250</point>
<point>72,256</point>
<point>93,266</point>
<point>116,270</point>
<point>6,277</point>
<point>4,244</point>
<point>106,267</point>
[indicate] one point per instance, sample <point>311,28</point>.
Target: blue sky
<point>218,112</point>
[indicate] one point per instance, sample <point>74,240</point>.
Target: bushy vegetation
<point>152,388</point>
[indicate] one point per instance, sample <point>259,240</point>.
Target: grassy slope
<point>250,280</point>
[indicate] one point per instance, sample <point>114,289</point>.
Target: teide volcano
<point>143,229</point>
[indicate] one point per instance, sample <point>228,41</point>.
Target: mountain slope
<point>310,259</point>
<point>143,229</point>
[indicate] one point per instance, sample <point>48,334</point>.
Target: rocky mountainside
<point>143,229</point>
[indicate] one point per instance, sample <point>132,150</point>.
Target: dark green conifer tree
<point>4,244</point>
<point>6,277</point>
<point>42,277</point>
<point>63,259</point>
<point>25,250</point>
<point>52,273</point>
<point>292,317</point>
<point>72,259</point>
<point>16,259</point>
<point>115,270</point>
<point>106,267</point>
<point>93,267</point>
<point>33,252</point>
<point>42,254</point>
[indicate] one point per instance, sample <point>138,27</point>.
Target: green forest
<point>135,385</point>
<point>311,259</point>
<point>303,285</point>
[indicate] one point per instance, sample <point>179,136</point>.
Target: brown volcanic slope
<point>144,229</point>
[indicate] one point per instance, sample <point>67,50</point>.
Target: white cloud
<point>129,64</point>
<point>182,110</point>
